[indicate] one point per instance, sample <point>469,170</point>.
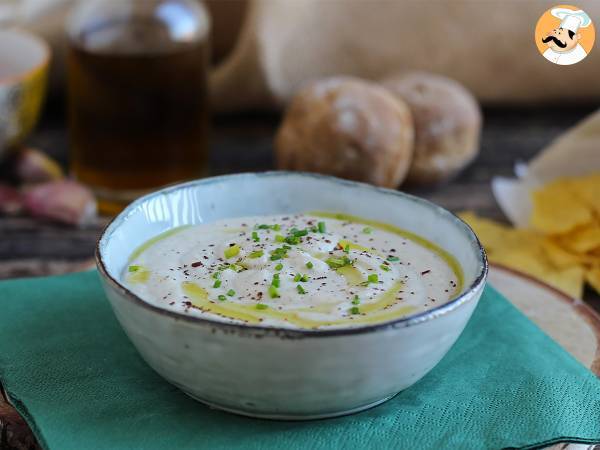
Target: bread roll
<point>349,128</point>
<point>447,124</point>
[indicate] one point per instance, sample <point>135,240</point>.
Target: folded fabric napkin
<point>71,371</point>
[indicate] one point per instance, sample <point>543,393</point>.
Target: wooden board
<point>573,324</point>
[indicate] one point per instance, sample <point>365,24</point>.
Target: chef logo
<point>564,35</point>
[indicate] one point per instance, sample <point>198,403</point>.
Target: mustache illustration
<point>556,41</point>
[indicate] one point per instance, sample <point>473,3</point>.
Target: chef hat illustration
<point>570,19</point>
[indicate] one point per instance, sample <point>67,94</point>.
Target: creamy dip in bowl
<point>288,295</point>
<point>314,271</point>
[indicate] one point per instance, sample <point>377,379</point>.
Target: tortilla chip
<point>529,252</point>
<point>491,234</point>
<point>497,237</point>
<point>587,188</point>
<point>557,209</point>
<point>527,260</point>
<point>562,258</point>
<point>582,239</point>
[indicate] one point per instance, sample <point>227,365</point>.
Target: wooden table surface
<point>244,143</point>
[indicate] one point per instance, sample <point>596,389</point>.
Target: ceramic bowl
<point>24,61</point>
<point>275,372</point>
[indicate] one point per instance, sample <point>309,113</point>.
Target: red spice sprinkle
<point>425,272</point>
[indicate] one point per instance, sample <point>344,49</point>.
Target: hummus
<point>309,271</point>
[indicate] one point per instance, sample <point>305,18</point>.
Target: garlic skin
<point>64,201</point>
<point>11,201</point>
<point>33,166</point>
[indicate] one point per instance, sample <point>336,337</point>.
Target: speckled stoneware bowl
<point>281,373</point>
<point>24,60</point>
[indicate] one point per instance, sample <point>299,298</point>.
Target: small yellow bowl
<point>24,61</point>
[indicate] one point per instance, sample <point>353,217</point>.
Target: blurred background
<point>103,101</point>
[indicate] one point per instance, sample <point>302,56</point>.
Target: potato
<point>447,124</point>
<point>349,128</point>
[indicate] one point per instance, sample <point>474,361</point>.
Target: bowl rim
<point>43,63</point>
<point>402,322</point>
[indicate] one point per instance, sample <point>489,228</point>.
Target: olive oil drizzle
<point>159,237</point>
<point>447,257</point>
<point>371,313</point>
<point>378,311</point>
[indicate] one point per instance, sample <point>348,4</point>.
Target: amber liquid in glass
<point>138,110</point>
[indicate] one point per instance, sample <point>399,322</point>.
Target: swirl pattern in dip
<point>317,270</point>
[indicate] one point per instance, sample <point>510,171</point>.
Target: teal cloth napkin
<point>71,371</point>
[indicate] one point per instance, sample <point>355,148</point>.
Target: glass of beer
<point>137,95</point>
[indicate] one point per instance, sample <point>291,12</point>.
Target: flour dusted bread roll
<point>447,124</point>
<point>349,128</point>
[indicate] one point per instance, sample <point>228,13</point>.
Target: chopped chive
<point>280,253</point>
<point>261,306</point>
<point>230,292</point>
<point>314,229</point>
<point>393,258</point>
<point>256,254</point>
<point>347,248</point>
<point>275,282</point>
<point>299,233</point>
<point>373,278</point>
<point>355,310</point>
<point>304,278</point>
<point>279,266</point>
<point>216,275</point>
<point>217,284</point>
<point>232,250</point>
<point>134,268</point>
<point>309,265</point>
<point>297,278</point>
<point>236,267</point>
<point>292,240</point>
<point>322,228</point>
<point>222,297</point>
<point>367,230</point>
<point>264,226</point>
<point>279,238</point>
<point>385,267</point>
<point>300,289</point>
<point>273,293</point>
<point>336,263</point>
<point>356,300</point>
<point>255,236</point>
<point>276,275</point>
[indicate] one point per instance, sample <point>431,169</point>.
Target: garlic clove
<point>63,201</point>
